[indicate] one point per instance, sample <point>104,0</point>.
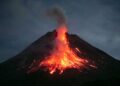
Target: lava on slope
<point>62,57</point>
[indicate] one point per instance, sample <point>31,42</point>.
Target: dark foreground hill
<point>13,72</point>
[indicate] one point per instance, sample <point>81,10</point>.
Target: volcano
<point>60,59</point>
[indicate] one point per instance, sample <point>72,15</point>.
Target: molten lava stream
<point>62,57</point>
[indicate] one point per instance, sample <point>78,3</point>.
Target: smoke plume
<point>58,14</point>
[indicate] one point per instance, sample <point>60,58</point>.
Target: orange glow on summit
<point>62,57</point>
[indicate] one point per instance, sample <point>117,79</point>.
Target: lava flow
<point>62,57</point>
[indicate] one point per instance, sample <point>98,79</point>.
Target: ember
<point>63,56</point>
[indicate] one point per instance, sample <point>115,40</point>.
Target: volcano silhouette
<point>13,72</point>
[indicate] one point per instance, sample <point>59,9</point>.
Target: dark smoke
<point>58,14</point>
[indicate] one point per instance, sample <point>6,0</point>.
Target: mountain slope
<point>14,71</point>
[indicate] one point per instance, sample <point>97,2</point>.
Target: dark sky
<point>24,21</point>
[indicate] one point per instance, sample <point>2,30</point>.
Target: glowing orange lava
<point>62,57</point>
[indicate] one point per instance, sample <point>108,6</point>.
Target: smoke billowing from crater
<point>58,14</point>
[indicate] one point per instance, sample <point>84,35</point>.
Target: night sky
<point>24,21</point>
